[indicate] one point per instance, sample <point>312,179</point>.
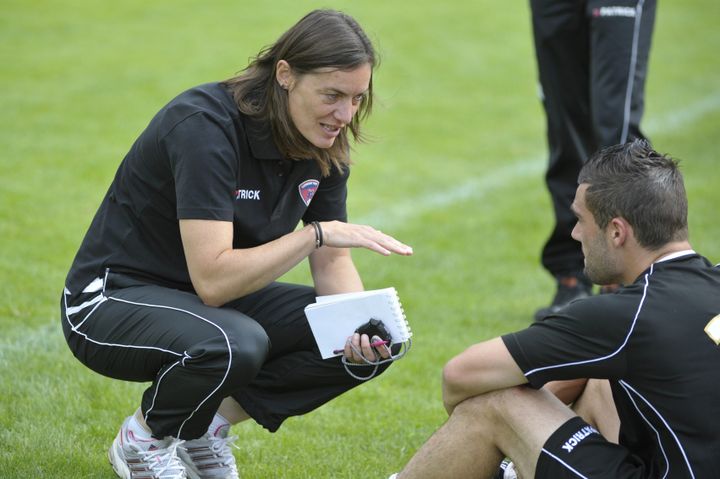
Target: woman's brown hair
<point>321,39</point>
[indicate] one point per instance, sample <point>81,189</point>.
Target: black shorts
<point>576,450</point>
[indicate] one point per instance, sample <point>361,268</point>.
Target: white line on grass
<point>44,338</point>
<point>684,116</point>
<point>408,210</point>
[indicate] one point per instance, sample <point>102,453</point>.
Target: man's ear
<point>619,231</point>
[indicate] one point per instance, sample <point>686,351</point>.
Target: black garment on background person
<point>592,59</point>
<point>648,340</point>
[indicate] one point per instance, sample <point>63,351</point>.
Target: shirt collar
<point>260,139</point>
<point>676,254</point>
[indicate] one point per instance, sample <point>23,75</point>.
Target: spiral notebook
<point>334,317</point>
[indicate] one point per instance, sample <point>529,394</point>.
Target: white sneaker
<point>134,458</point>
<point>209,457</point>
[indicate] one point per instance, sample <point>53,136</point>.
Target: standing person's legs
<point>294,379</point>
<point>621,34</point>
<point>561,47</point>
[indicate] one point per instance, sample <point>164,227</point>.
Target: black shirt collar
<point>261,141</point>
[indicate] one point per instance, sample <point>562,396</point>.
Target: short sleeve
<point>330,200</point>
<point>204,167</point>
<point>587,340</point>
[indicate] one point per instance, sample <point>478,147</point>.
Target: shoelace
<point>220,453</point>
<point>165,462</point>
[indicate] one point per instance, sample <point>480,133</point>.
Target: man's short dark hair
<point>644,187</point>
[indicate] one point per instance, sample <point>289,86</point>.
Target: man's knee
<point>597,407</point>
<point>517,421</point>
<point>599,388</point>
<point>508,407</point>
<point>496,406</point>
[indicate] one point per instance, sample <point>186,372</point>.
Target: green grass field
<point>454,169</point>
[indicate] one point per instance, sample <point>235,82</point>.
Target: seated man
<point>650,350</point>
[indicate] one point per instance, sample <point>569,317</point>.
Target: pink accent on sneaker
<point>221,431</point>
<point>145,459</point>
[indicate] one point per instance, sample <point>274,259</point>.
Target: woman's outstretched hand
<point>348,235</point>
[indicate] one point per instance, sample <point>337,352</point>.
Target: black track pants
<point>258,349</point>
<point>592,58</point>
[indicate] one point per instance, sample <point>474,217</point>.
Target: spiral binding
<point>400,318</point>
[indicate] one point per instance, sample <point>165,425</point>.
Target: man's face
<point>602,263</point>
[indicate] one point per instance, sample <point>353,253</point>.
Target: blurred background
<point>454,168</point>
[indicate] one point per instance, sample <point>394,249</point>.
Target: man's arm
<point>483,367</point>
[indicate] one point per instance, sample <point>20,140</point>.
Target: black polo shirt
<point>200,158</point>
<point>649,340</point>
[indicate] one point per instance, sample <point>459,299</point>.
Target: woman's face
<point>323,102</point>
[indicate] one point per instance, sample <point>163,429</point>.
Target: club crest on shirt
<point>307,190</point>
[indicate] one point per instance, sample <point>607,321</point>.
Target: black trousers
<point>592,58</point>
<point>258,349</point>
